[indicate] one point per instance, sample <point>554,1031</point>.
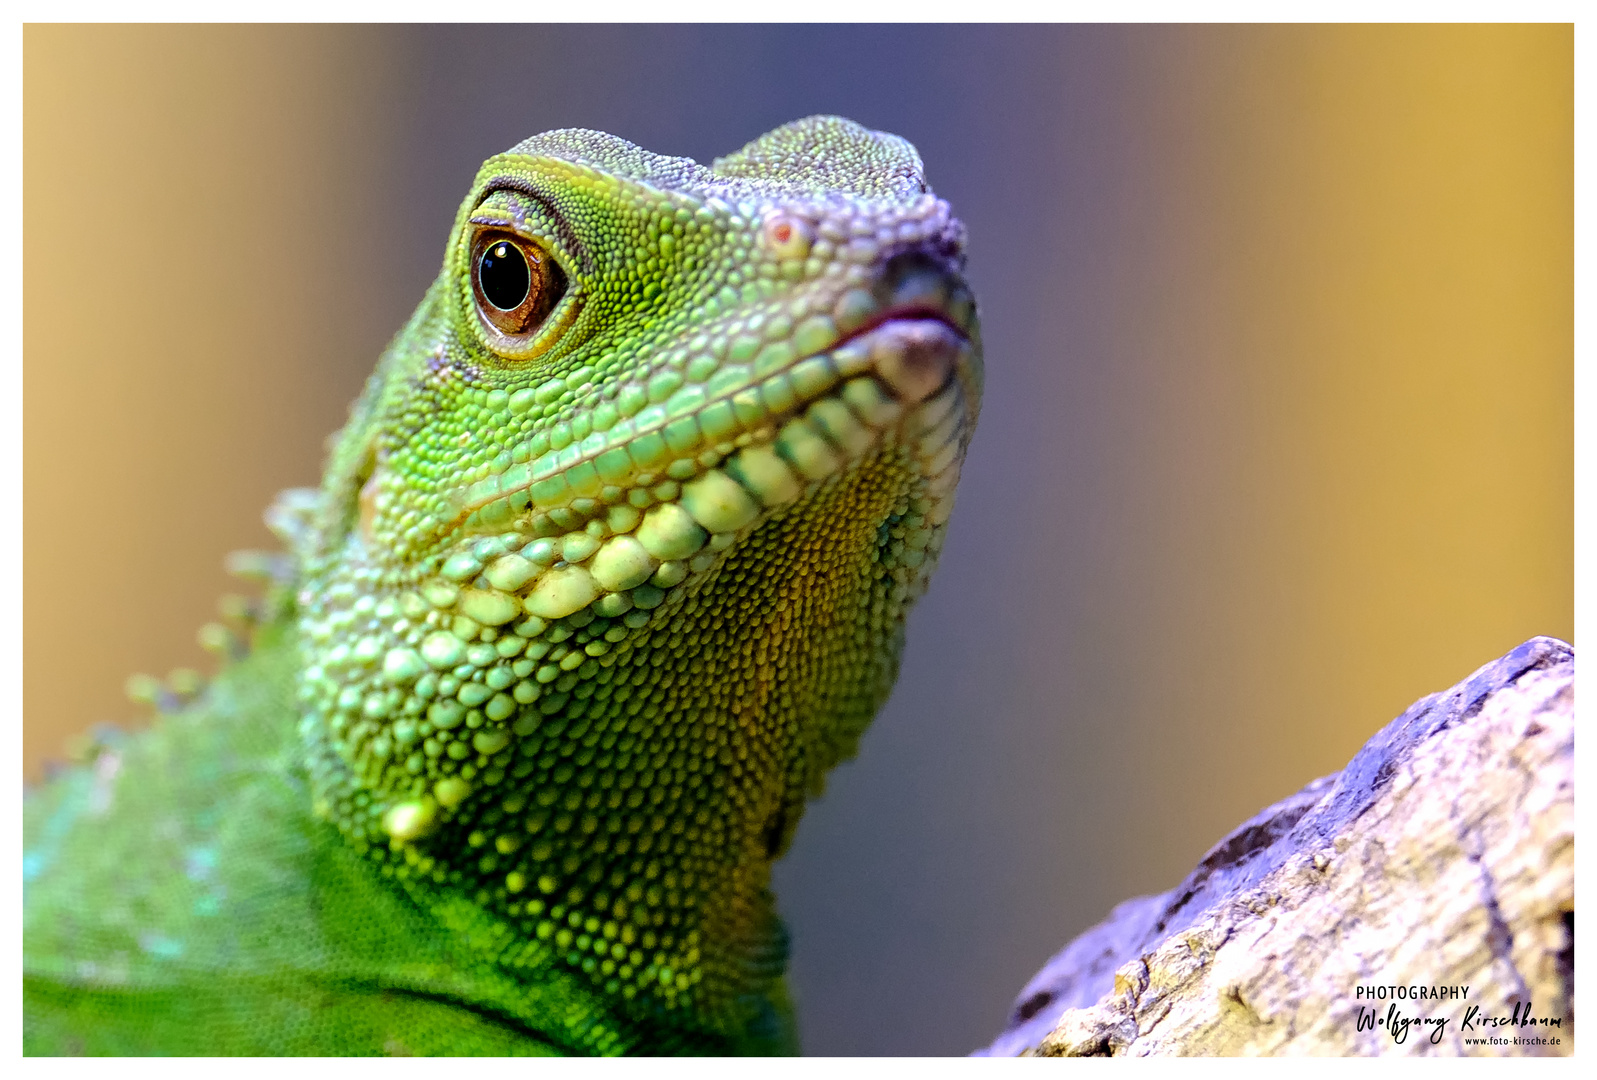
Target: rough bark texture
<point>1442,857</point>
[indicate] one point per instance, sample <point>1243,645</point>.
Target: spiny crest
<point>231,639</point>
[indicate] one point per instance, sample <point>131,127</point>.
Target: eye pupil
<point>515,282</point>
<point>504,276</point>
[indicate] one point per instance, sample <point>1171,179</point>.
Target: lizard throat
<point>622,821</point>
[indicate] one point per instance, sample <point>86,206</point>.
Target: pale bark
<point>1441,857</point>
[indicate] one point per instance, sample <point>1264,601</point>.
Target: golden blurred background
<point>1278,432</point>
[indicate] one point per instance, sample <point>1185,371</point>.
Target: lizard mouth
<point>703,467</point>
<point>908,333</point>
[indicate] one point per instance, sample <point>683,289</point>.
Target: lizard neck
<point>628,828</point>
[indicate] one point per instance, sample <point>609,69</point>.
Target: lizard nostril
<point>916,278</point>
<point>923,288</point>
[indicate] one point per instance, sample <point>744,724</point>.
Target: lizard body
<point>608,567</point>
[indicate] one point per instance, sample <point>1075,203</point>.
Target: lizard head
<point>611,562</point>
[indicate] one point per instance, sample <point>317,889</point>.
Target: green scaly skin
<point>584,610</point>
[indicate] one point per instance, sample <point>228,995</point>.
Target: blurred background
<point>1277,435</point>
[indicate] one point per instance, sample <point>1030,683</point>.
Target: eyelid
<point>489,221</point>
<point>561,238</point>
<point>487,224</point>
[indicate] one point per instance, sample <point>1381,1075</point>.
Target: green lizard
<point>608,567</point>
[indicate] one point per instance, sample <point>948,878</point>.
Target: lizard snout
<point>914,356</point>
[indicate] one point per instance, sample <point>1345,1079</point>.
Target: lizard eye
<point>516,282</point>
